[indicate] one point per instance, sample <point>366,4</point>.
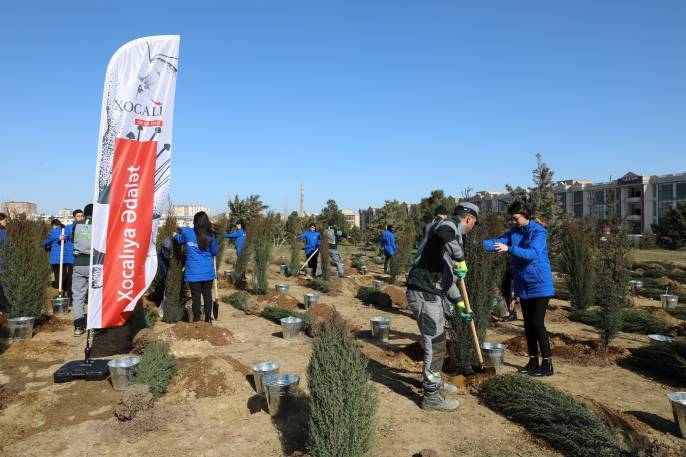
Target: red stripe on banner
<point>148,123</point>
<point>129,227</point>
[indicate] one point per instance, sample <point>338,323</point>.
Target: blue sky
<point>362,101</point>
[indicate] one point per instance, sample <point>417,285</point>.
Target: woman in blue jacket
<point>201,248</point>
<point>526,242</point>
<point>312,239</point>
<point>239,236</point>
<point>389,247</point>
<point>53,244</point>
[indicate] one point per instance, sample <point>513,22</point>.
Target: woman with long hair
<point>526,242</point>
<point>201,248</point>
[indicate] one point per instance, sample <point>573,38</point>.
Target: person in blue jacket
<point>389,247</point>
<point>312,239</point>
<point>526,242</point>
<point>239,236</point>
<point>201,248</point>
<point>53,244</point>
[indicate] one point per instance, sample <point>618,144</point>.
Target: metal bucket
<point>660,339</point>
<point>494,355</point>
<point>227,275</point>
<point>381,327</point>
<point>282,288</point>
<point>364,269</point>
<point>290,327</point>
<point>311,299</point>
<point>262,369</point>
<point>279,390</point>
<point>377,284</point>
<point>635,284</point>
<point>189,313</point>
<point>308,271</point>
<point>678,401</point>
<point>669,301</point>
<point>121,371</point>
<point>21,328</point>
<point>254,280</point>
<point>283,269</point>
<point>60,305</point>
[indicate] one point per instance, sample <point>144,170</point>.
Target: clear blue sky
<point>362,101</point>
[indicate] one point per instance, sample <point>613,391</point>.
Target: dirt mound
<point>202,331</point>
<point>398,296</point>
<point>280,300</point>
<point>409,357</point>
<point>142,340</point>
<point>35,350</point>
<point>321,311</point>
<point>53,324</point>
<point>134,401</point>
<point>209,377</point>
<point>471,382</point>
<point>584,352</point>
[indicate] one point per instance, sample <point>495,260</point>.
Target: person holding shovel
<point>80,234</point>
<point>526,242</point>
<point>312,239</point>
<point>201,248</point>
<point>53,244</point>
<point>432,294</point>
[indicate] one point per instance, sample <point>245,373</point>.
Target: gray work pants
<point>428,311</point>
<point>338,261</point>
<point>79,288</point>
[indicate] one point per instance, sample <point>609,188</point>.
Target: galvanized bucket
<point>290,327</point>
<point>660,339</point>
<point>21,328</point>
<point>669,301</point>
<point>635,284</point>
<point>311,299</point>
<point>262,369</point>
<point>494,355</point>
<point>381,327</point>
<point>308,271</point>
<point>364,269</point>
<point>227,275</point>
<point>282,288</point>
<point>678,401</point>
<point>283,269</point>
<point>60,305</point>
<point>121,371</point>
<point>279,389</point>
<point>377,284</point>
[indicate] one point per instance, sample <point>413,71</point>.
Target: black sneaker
<point>546,368</point>
<point>531,366</point>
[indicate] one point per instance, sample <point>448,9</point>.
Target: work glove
<point>460,269</point>
<point>462,312</point>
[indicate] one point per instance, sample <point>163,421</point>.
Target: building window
<point>665,198</point>
<point>634,192</point>
<point>579,203</point>
<point>562,199</point>
<point>599,209</point>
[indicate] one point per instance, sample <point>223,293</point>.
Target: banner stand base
<point>87,369</point>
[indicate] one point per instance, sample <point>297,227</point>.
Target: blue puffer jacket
<point>388,241</point>
<point>53,242</point>
<point>199,263</point>
<point>533,277</point>
<point>311,241</point>
<point>239,236</point>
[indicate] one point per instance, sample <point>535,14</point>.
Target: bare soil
<point>211,408</point>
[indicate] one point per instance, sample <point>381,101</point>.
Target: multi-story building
<point>14,208</point>
<point>639,201</point>
<point>352,218</point>
<point>184,214</point>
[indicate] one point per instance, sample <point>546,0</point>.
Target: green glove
<point>462,311</point>
<point>461,269</point>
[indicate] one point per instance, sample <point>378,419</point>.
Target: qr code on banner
<point>96,277</point>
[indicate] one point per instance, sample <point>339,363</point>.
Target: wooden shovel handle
<point>306,261</point>
<point>472,326</point>
<point>61,262</point>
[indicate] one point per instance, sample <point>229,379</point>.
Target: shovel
<point>306,262</point>
<point>472,329</point>
<point>215,302</point>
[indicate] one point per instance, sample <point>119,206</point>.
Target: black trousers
<point>534,326</point>
<point>67,271</point>
<point>387,263</point>
<point>312,263</point>
<point>204,289</point>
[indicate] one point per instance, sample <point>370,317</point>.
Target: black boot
<point>531,366</point>
<point>208,314</point>
<point>546,368</point>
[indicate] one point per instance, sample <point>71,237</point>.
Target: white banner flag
<point>132,175</point>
